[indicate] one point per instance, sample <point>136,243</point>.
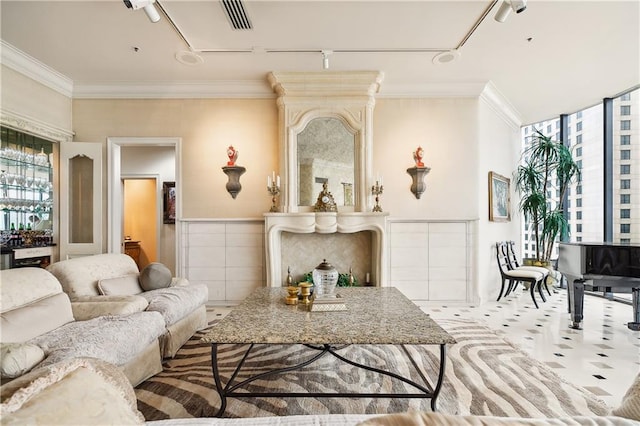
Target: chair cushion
<point>17,359</point>
<point>120,286</point>
<point>155,276</point>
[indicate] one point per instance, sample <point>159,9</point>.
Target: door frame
<point>114,187</point>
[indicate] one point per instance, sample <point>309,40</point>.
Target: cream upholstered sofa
<point>38,329</point>
<point>111,284</point>
<point>86,391</point>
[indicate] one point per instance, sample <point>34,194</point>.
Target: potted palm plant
<point>548,167</point>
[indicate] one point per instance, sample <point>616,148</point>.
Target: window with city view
<point>584,133</point>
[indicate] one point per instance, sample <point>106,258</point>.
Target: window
<point>625,228</point>
<point>579,202</point>
<point>625,213</point>
<point>579,151</point>
<point>625,169</point>
<point>625,125</point>
<point>579,163</point>
<point>578,189</point>
<point>625,240</point>
<point>578,215</point>
<point>625,184</point>
<point>578,139</point>
<point>625,139</point>
<point>548,128</point>
<point>625,154</point>
<point>625,109</point>
<point>626,97</point>
<point>579,115</point>
<point>578,239</point>
<point>625,198</point>
<point>579,126</point>
<point>579,227</point>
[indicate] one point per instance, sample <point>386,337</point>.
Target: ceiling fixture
<point>148,7</point>
<point>446,57</point>
<point>187,57</point>
<point>325,58</point>
<point>507,6</point>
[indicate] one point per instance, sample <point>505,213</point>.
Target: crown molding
<point>176,90</point>
<point>433,90</point>
<point>34,126</point>
<point>30,67</point>
<point>493,98</point>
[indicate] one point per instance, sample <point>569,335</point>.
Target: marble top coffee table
<point>373,316</point>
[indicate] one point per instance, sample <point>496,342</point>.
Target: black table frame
<point>230,388</point>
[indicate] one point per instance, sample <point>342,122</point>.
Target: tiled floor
<point>603,357</point>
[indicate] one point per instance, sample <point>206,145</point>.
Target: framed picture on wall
<point>169,202</point>
<point>499,199</point>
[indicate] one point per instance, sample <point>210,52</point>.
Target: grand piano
<point>611,268</point>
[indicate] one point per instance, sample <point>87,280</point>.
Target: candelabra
<point>377,190</point>
<point>273,188</point>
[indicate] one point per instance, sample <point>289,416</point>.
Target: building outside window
<point>585,204</point>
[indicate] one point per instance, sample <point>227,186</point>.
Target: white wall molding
<point>34,127</point>
<point>34,69</point>
<point>253,89</point>
<point>493,98</point>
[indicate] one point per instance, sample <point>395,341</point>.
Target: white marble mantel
<point>324,223</point>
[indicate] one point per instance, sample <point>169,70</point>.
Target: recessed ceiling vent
<point>237,14</point>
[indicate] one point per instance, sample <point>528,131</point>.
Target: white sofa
<point>110,284</point>
<point>39,329</point>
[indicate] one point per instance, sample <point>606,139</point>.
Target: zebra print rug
<point>485,375</point>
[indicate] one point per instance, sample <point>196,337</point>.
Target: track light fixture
<point>325,58</point>
<point>148,7</point>
<point>507,6</point>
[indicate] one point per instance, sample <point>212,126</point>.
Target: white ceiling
<point>578,52</point>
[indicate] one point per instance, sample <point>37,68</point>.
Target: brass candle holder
<point>292,298</point>
<point>305,292</point>
<point>377,191</point>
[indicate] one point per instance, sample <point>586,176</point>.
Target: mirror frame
<point>348,96</point>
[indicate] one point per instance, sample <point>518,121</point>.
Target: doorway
<point>140,223</point>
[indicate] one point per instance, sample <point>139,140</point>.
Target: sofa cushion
<point>79,391</point>
<point>87,307</point>
<point>120,286</point>
<point>175,303</point>
<point>22,286</point>
<point>17,359</point>
<point>154,276</point>
<point>37,318</point>
<point>115,339</point>
<point>630,407</point>
<point>79,276</point>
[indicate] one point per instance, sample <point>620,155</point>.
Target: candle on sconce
<point>278,181</point>
<point>268,181</point>
<point>273,179</point>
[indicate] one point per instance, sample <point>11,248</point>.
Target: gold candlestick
<point>377,191</point>
<point>274,191</point>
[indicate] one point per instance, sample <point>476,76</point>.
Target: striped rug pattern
<point>485,375</point>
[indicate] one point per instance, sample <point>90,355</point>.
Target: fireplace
<point>302,240</point>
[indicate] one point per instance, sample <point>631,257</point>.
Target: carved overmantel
<point>324,223</point>
<point>348,96</point>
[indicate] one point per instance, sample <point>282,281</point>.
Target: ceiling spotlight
<point>148,7</point>
<point>446,57</point>
<point>325,58</point>
<point>507,6</point>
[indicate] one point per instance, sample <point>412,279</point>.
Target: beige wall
<point>29,99</point>
<point>207,127</point>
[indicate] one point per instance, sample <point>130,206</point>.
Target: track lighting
<point>148,7</point>
<point>325,58</point>
<point>507,6</point>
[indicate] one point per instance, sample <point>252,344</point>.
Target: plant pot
<point>551,279</point>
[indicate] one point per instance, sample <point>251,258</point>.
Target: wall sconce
<point>418,173</point>
<point>233,172</point>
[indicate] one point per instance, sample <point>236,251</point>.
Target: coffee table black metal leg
<point>216,378</point>
<point>436,391</point>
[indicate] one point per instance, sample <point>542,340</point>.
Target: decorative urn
<point>325,279</point>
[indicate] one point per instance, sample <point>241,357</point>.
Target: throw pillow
<point>119,286</point>
<point>630,407</point>
<point>154,276</point>
<point>17,359</point>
